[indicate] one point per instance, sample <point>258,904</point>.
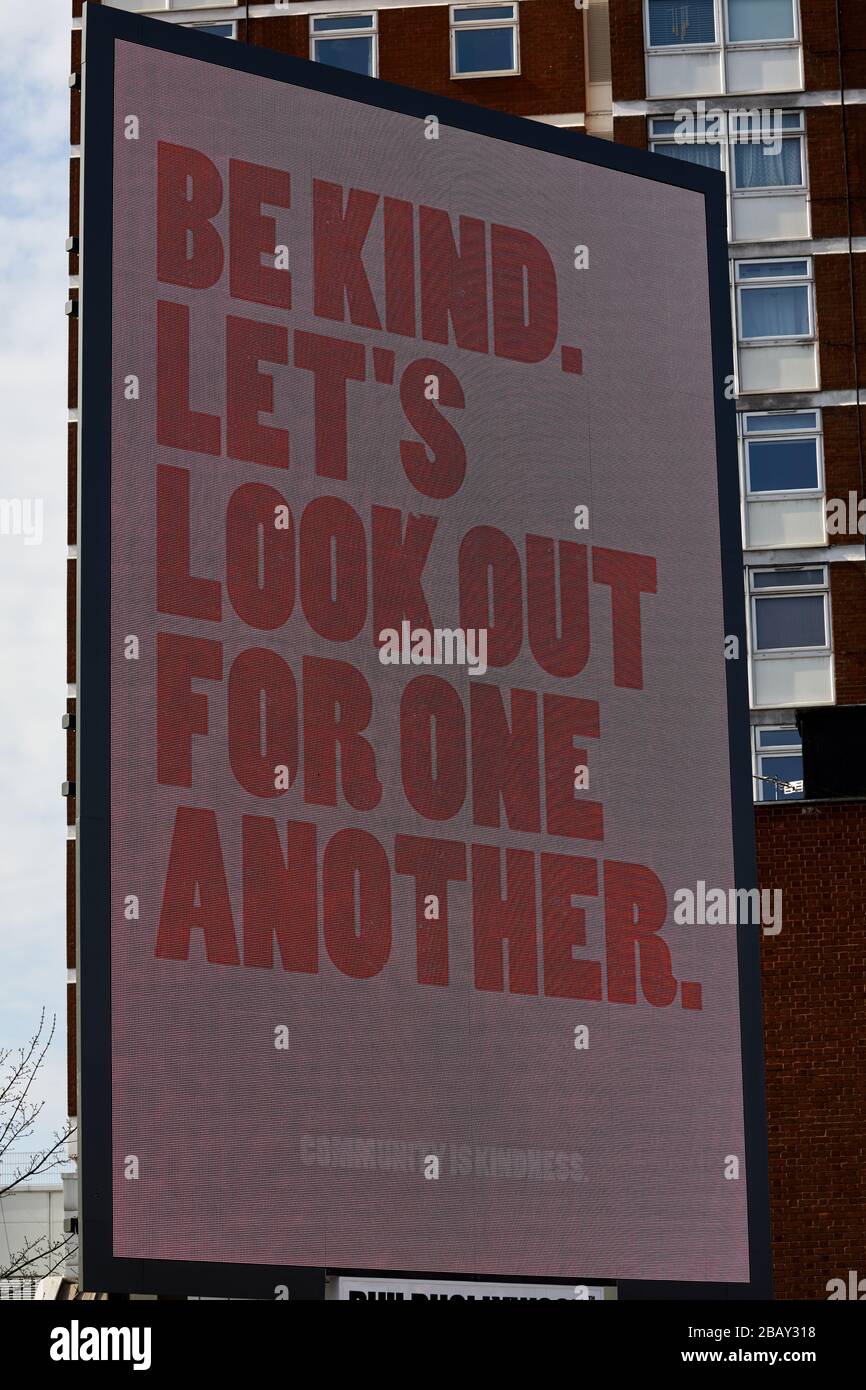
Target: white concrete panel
<point>792,680</point>
<point>778,217</point>
<point>782,367</point>
<point>684,74</point>
<point>788,521</point>
<point>764,70</point>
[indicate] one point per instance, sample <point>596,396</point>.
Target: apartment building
<point>772,93</point>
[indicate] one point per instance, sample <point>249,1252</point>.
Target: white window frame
<point>812,590</point>
<point>724,140</point>
<point>768,434</point>
<point>721,142</point>
<point>741,45</point>
<point>160,7</point>
<point>702,47</point>
<point>779,282</point>
<point>210,24</point>
<point>722,39</point>
<point>372,33</point>
<point>784,190</point>
<point>779,751</point>
<point>456,26</point>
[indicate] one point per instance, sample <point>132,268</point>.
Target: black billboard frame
<point>101,1270</point>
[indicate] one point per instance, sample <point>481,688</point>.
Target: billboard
<point>409,568</point>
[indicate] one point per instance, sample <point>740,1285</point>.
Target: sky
<point>34,152</point>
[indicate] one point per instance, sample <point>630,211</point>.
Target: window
<point>768,149</point>
<point>775,299</point>
<point>778,764</point>
<point>754,21</point>
<point>675,24</point>
<point>484,41</point>
<point>783,453</point>
<point>157,5</point>
<point>225,31</point>
<point>346,41</point>
<point>699,143</point>
<point>768,156</point>
<point>790,610</point>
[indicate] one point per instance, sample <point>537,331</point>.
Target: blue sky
<point>34,150</point>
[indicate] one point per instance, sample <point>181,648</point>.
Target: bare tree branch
<point>34,1252</point>
<point>19,1069</point>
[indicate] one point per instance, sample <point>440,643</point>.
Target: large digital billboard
<point>410,572</point>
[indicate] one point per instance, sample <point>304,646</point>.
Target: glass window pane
<point>749,21</point>
<point>772,424</point>
<point>484,50</point>
<point>779,738</point>
<point>786,768</point>
<point>778,311</point>
<point>355,55</point>
<point>771,270</point>
<point>760,166</point>
<point>223,30</point>
<point>343,21</point>
<point>795,620</point>
<point>783,465</point>
<point>677,23</point>
<point>787,579</point>
<point>484,12</point>
<point>707,156</point>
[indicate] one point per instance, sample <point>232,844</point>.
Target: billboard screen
<point>409,558</point>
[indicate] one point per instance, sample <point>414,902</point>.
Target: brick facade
<point>848,605</point>
<point>833,302</point>
<point>842,458</point>
<point>814,1005</point>
<point>628,71</point>
<point>821,44</point>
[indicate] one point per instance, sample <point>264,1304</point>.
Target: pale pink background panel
<point>221,1121</point>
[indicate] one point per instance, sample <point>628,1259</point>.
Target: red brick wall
<point>824,147</point>
<point>826,186</point>
<point>842,458</point>
<point>414,50</point>
<point>848,604</point>
<point>285,35</point>
<point>814,1005</point>
<point>833,300</point>
<point>628,71</point>
<point>631,130</point>
<point>821,62</point>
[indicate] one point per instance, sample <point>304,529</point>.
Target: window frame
<point>456,26</point>
<point>703,47</point>
<point>770,190</point>
<point>768,435</point>
<point>214,23</point>
<point>740,45</point>
<point>781,750</point>
<point>821,590</point>
<point>348,33</point>
<point>172,7</point>
<point>721,142</point>
<point>724,139</point>
<point>807,279</point>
